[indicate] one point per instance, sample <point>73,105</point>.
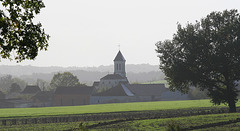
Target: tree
<point>5,82</point>
<point>20,38</point>
<point>20,82</point>
<point>196,94</point>
<point>205,55</point>
<point>66,79</point>
<point>14,88</point>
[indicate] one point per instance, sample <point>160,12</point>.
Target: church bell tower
<point>119,64</point>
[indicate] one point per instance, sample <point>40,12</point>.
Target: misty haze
<point>119,65</point>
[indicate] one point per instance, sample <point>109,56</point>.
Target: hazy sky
<point>88,32</point>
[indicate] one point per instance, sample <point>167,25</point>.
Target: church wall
<point>110,83</point>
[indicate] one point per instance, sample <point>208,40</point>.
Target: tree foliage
<point>14,88</point>
<point>65,79</point>
<point>20,38</point>
<point>5,82</point>
<point>206,55</point>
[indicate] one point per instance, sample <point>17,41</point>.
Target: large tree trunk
<point>232,106</point>
<point>231,95</point>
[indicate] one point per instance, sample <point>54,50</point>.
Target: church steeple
<point>119,64</point>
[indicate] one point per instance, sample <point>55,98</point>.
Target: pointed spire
<point>119,57</point>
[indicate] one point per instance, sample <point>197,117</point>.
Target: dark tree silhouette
<point>206,55</point>
<point>14,88</point>
<point>20,38</point>
<point>66,79</point>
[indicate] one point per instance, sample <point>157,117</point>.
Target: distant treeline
<point>135,73</point>
<point>88,77</point>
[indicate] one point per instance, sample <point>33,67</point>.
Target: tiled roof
<point>118,90</point>
<point>146,89</point>
<point>134,90</point>
<point>112,77</point>
<point>31,89</point>
<point>82,90</point>
<point>119,57</point>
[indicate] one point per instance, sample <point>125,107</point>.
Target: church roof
<point>112,77</point>
<point>119,57</point>
<point>119,90</point>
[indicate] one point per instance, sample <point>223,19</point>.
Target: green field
<point>101,108</point>
<point>137,123</point>
<point>185,122</point>
<point>142,125</point>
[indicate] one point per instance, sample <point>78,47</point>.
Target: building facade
<point>71,96</point>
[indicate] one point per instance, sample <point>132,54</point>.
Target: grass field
<point>137,124</point>
<point>185,122</point>
<point>142,125</point>
<point>101,108</point>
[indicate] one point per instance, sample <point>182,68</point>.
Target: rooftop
<point>119,57</point>
<point>147,89</point>
<point>112,76</point>
<point>31,89</point>
<point>119,90</point>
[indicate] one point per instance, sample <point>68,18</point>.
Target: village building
<point>123,93</point>
<point>117,94</point>
<point>119,75</point>
<point>14,103</point>
<point>120,90</point>
<point>71,96</point>
<point>31,90</point>
<point>42,99</point>
<point>147,92</point>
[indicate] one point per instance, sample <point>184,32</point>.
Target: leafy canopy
<point>65,79</point>
<point>206,55</point>
<point>20,38</point>
<point>14,88</point>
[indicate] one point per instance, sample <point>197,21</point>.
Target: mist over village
<point>41,89</point>
<point>119,65</point>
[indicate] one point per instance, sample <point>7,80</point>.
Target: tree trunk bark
<point>232,106</point>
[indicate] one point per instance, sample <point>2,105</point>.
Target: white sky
<point>88,32</point>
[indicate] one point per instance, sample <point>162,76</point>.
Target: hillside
<point>135,73</point>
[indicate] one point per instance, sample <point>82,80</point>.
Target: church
<point>119,90</point>
<point>119,75</point>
